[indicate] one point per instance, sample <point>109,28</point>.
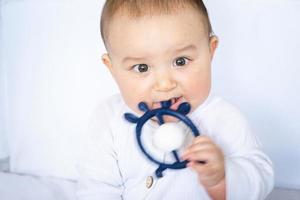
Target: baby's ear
<point>213,44</point>
<point>106,60</point>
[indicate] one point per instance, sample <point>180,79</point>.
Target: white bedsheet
<point>26,187</point>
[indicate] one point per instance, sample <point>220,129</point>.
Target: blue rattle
<point>181,112</point>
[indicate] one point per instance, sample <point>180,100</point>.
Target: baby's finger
<point>200,139</point>
<point>202,156</point>
<point>198,147</point>
<point>200,143</point>
<point>196,166</point>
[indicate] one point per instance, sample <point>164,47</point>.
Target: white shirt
<point>113,166</point>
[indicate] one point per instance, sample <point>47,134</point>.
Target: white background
<point>51,75</point>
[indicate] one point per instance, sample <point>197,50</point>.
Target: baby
<point>160,50</point>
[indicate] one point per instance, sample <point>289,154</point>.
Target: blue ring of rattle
<point>160,112</point>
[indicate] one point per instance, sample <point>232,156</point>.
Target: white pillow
<point>3,99</point>
<point>54,80</point>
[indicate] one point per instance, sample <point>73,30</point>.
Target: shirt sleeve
<point>249,171</point>
<point>249,176</point>
<point>99,175</point>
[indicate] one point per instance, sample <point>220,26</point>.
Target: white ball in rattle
<point>169,137</point>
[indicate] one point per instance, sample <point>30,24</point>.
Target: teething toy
<point>166,130</point>
<point>168,137</point>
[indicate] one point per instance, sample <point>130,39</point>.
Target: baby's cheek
<point>198,93</point>
<point>199,86</point>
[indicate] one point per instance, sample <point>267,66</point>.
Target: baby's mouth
<point>175,102</point>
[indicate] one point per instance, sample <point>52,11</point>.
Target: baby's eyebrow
<point>191,47</point>
<point>129,58</point>
<point>186,48</point>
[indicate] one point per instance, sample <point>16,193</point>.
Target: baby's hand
<point>207,159</point>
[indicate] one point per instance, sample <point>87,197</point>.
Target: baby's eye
<point>181,61</point>
<point>141,68</point>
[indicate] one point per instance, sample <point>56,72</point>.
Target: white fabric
<point>4,164</point>
<point>114,167</point>
<point>53,81</point>
<point>25,187</point>
<point>3,137</point>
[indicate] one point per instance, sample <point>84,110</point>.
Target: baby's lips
<point>177,103</point>
<point>174,104</point>
<point>156,105</point>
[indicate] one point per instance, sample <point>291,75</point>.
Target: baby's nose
<point>165,82</point>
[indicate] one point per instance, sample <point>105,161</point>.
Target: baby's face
<point>161,57</point>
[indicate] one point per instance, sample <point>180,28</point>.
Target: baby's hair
<point>140,8</point>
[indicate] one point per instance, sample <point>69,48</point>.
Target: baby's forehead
<point>155,36</point>
<point>133,13</point>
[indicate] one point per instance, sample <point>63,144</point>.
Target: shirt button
<point>149,181</point>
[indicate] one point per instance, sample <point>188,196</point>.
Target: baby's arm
<point>236,166</point>
<point>99,175</point>
<point>249,173</point>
